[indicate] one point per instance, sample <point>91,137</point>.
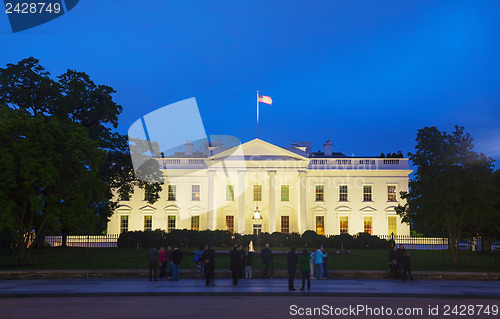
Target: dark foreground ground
<point>239,307</point>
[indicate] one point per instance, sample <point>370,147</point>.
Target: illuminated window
<point>368,225</point>
<point>195,192</point>
<point>344,225</point>
<point>391,193</point>
<point>320,225</point>
<point>171,223</point>
<point>195,223</point>
<point>285,193</point>
<point>123,224</point>
<point>367,193</point>
<point>230,193</point>
<point>343,193</point>
<point>285,224</point>
<point>320,194</point>
<point>393,227</point>
<point>257,193</point>
<point>171,192</point>
<point>148,223</point>
<point>230,223</point>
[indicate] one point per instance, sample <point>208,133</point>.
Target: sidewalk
<point>251,287</point>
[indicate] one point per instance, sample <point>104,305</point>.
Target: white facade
<point>316,184</point>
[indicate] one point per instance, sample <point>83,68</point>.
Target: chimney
<point>188,148</point>
<point>328,148</point>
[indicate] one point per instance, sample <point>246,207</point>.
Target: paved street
<point>256,287</point>
<point>240,307</point>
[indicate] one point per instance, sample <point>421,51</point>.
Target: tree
<point>48,168</point>
<point>77,104</point>
<point>452,191</point>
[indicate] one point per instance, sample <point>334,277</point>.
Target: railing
<point>181,163</point>
<point>357,163</point>
<point>344,253</point>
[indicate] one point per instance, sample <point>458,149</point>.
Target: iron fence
<point>344,253</point>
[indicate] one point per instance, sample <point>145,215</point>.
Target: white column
<point>272,205</point>
<point>210,200</point>
<point>302,202</point>
<point>241,202</point>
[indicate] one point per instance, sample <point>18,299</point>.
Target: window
<point>171,192</point>
<point>343,193</point>
<point>123,224</point>
<point>320,193</point>
<point>148,223</point>
<point>195,192</point>
<point>285,193</point>
<point>230,193</point>
<point>285,224</point>
<point>344,225</point>
<point>170,223</point>
<point>230,223</point>
<point>368,225</point>
<point>367,193</point>
<point>393,227</point>
<point>195,223</point>
<point>391,193</point>
<point>257,193</point>
<point>257,229</point>
<point>320,225</point>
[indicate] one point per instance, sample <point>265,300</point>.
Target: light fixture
<point>256,214</point>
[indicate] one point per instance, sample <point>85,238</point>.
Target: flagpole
<point>257,114</point>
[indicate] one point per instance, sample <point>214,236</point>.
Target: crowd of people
<point>311,265</point>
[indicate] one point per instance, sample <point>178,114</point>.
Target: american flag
<point>265,99</point>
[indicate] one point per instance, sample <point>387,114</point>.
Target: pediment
<point>147,207</point>
<point>343,208</point>
<point>319,208</point>
<point>368,209</point>
<point>124,207</point>
<point>258,149</point>
<point>171,208</point>
<point>390,209</point>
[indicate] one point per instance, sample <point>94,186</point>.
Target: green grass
<point>358,259</point>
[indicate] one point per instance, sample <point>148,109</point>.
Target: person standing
<point>200,271</point>
<point>242,262</point>
<point>153,263</point>
<point>162,258</point>
<point>311,265</point>
<point>291,264</point>
<point>305,269</point>
<point>169,262</point>
<point>209,258</point>
<point>399,259</point>
<point>176,263</point>
<point>267,258</point>
<point>248,263</point>
<point>318,260</point>
<point>235,264</point>
<point>393,263</point>
<point>406,267</point>
<point>325,266</point>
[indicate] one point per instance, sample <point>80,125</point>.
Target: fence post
<point>137,254</point>
<point>87,255</point>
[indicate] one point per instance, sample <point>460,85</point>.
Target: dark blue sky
<point>365,74</point>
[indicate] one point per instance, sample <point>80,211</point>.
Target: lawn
<point>356,259</point>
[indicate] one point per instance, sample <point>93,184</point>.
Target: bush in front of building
<point>224,239</point>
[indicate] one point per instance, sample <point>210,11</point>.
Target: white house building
<point>260,187</point>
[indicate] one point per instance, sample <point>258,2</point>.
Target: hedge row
<point>192,239</point>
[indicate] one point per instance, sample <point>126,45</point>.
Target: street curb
<point>249,294</point>
<point>222,273</point>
